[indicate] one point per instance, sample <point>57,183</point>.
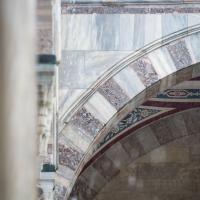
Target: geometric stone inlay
<point>84,121</point>
<point>145,71</point>
<point>113,93</point>
<point>180,54</point>
<point>180,94</point>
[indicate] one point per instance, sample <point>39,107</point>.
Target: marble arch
<point>131,148</point>
<point>155,70</point>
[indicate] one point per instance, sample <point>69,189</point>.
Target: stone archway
<point>128,150</point>
<point>173,62</point>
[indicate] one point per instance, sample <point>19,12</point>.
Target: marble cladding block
<point>150,171</point>
<point>125,79</point>
<point>106,167</point>
<point>162,62</point>
<point>191,120</point>
<point>72,70</point>
<point>132,146</point>
<point>79,69</point>
<point>177,126</point>
<point>59,192</point>
<point>68,156</point>
<point>105,32</point>
<point>100,107</point>
<point>44,41</point>
<point>168,82</point>
<point>145,70</point>
<point>152,90</point>
<point>76,137</point>
<point>147,139</point>
<point>173,22</point>
<point>162,132</point>
<point>183,75</point>
<point>180,54</point>
<point>67,97</point>
<point>81,191</point>
<point>65,172</point>
<point>94,180</point>
<point>196,70</point>
<point>194,41</point>
<point>113,93</point>
<point>118,155</point>
<point>86,122</point>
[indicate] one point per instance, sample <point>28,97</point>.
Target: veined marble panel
<point>120,31</point>
<point>97,62</point>
<point>193,19</point>
<point>162,62</point>
<point>72,70</point>
<point>194,41</point>
<point>80,140</point>
<point>125,79</point>
<point>173,22</point>
<point>67,97</point>
<point>127,23</point>
<point>77,32</point>
<point>139,37</point>
<point>100,108</point>
<point>153,31</point>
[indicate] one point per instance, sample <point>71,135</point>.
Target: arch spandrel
<point>169,64</point>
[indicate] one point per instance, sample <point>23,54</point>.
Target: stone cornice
<point>127,7</point>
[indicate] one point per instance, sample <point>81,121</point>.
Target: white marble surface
<point>162,61</point>
<point>99,107</point>
<point>81,141</point>
<point>92,43</point>
<point>125,79</point>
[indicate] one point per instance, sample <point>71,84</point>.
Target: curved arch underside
<point>172,63</point>
<point>127,151</point>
